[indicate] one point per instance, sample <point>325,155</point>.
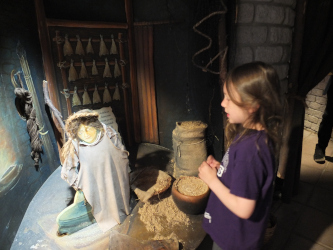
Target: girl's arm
<point>240,206</point>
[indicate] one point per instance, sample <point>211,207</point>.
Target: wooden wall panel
<point>146,83</point>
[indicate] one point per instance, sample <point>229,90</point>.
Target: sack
<point>189,146</point>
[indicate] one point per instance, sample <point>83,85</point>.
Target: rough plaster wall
<point>17,23</point>
<point>264,33</point>
<point>316,103</point>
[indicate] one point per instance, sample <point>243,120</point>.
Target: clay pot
<point>189,204</point>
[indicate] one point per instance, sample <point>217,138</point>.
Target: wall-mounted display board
<point>92,65</point>
<point>99,64</point>
<point>92,71</point>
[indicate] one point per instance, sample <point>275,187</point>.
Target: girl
<point>242,184</point>
<point>95,164</point>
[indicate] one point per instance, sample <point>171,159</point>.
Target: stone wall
<point>316,103</point>
<point>264,33</point>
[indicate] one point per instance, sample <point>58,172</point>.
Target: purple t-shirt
<point>247,169</point>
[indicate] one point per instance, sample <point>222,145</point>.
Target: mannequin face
<point>87,133</point>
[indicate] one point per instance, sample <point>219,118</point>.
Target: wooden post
<point>132,61</point>
<point>291,149</point>
<point>63,71</point>
<point>223,68</point>
<point>125,93</point>
<point>48,66</point>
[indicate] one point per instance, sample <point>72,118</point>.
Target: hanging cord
<point>224,52</point>
<point>29,113</point>
<point>63,65</point>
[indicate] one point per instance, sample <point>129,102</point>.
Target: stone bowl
<point>190,203</point>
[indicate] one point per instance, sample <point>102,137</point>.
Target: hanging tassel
<point>113,49</point>
<point>72,75</point>
<point>116,94</point>
<point>79,48</point>
<point>117,71</point>
<point>85,98</point>
<point>68,50</point>
<point>94,70</point>
<point>89,48</point>
<point>76,99</point>
<point>96,97</point>
<point>106,94</point>
<point>103,50</point>
<point>83,71</point>
<point>107,72</point>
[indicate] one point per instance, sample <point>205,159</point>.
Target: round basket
<point>189,203</point>
<point>149,182</point>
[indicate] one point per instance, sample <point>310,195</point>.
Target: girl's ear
<point>254,108</point>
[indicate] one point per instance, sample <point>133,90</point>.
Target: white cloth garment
<point>103,177</point>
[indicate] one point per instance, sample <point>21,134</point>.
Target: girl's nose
<point>223,103</point>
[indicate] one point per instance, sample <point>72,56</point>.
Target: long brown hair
<point>258,85</point>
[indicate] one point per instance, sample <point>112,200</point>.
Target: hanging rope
<point>27,111</point>
<point>205,68</point>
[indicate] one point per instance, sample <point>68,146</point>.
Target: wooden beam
<point>155,23</point>
<point>125,93</point>
<point>85,24</point>
<point>63,74</point>
<point>133,81</point>
<point>48,65</point>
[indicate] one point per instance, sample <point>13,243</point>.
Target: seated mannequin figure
<point>95,164</point>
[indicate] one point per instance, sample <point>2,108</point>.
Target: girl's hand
<point>212,162</point>
<point>207,173</point>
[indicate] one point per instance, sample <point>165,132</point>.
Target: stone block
<point>279,35</point>
<point>310,98</point>
<point>286,54</point>
<point>243,55</point>
<point>317,92</point>
<point>245,13</point>
<point>321,85</point>
<point>321,100</point>
<point>271,14</point>
<point>291,3</point>
<point>282,70</point>
<point>311,118</point>
<point>251,34</point>
<point>315,127</point>
<point>307,124</point>
<point>289,18</point>
<point>315,113</point>
<point>269,54</point>
<point>315,105</point>
<point>284,86</point>
<point>308,103</point>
